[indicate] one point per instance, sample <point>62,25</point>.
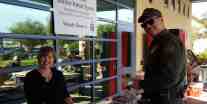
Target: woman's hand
<point>69,100</point>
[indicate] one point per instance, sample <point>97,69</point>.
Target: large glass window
<point>126,28</point>
<point>75,50</point>
<point>20,52</point>
<point>106,10</point>
<point>125,15</point>
<point>47,2</point>
<point>105,29</point>
<point>105,89</point>
<point>77,74</point>
<point>101,48</point>
<point>82,95</point>
<point>129,3</point>
<point>106,17</point>
<point>106,69</point>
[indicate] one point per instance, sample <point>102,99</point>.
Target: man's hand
<point>69,100</point>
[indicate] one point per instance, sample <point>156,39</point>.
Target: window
<point>106,17</point>
<point>82,95</point>
<point>77,74</point>
<point>106,10</point>
<point>106,69</point>
<point>32,20</point>
<point>20,51</point>
<point>105,28</point>
<point>73,50</point>
<point>129,3</point>
<point>105,89</point>
<point>47,2</point>
<point>125,15</point>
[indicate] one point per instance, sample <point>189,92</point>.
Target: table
<point>202,99</point>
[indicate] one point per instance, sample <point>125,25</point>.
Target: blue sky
<point>10,14</point>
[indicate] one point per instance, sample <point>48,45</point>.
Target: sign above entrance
<point>76,17</point>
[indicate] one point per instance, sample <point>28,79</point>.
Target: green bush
<point>202,57</point>
<point>4,63</point>
<point>28,62</point>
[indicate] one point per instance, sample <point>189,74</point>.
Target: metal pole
<point>52,28</point>
<point>119,66</point>
<point>93,74</point>
<point>1,45</point>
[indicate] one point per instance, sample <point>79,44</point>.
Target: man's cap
<point>149,13</point>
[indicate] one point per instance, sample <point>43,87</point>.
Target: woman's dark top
<point>38,91</point>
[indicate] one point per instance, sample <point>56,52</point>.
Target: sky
<point>10,14</point>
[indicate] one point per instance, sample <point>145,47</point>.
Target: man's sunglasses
<point>150,22</point>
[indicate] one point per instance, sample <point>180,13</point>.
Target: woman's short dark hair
<point>44,51</point>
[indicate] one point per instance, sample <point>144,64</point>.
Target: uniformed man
<point>165,64</point>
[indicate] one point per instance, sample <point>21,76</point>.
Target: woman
<point>46,84</point>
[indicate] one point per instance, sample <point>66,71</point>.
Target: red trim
<point>112,70</point>
<point>125,44</point>
<point>183,37</point>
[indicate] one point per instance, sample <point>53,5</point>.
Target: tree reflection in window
<point>13,16</point>
<point>43,1</point>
